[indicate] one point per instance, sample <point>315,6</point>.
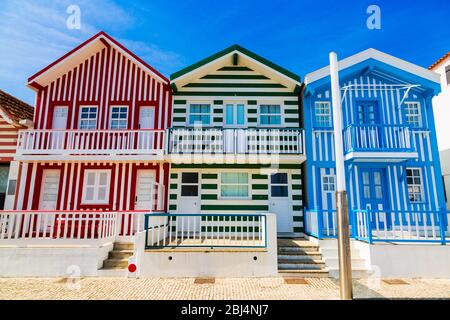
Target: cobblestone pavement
<point>228,288</point>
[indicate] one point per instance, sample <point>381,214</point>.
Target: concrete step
<point>300,266</point>
<point>301,261</point>
<point>298,250</point>
<point>115,263</point>
<point>304,273</point>
<point>308,256</point>
<point>123,246</point>
<point>120,254</point>
<point>295,243</point>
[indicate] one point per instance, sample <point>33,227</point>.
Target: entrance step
<point>300,257</point>
<point>118,257</point>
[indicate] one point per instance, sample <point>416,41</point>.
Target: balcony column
<point>345,268</point>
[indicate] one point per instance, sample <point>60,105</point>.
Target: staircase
<point>118,256</point>
<point>301,258</point>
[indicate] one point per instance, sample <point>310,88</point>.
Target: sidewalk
<point>228,288</point>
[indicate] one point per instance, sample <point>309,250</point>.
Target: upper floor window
<point>328,183</point>
<point>322,114</point>
<point>415,187</point>
<point>88,118</point>
<point>413,116</point>
<point>270,115</point>
<point>200,114</point>
<point>96,186</point>
<point>119,118</point>
<point>234,114</point>
<point>234,185</point>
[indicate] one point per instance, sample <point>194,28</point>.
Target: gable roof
<point>14,110</point>
<point>444,57</point>
<point>83,51</point>
<point>376,55</point>
<point>230,51</point>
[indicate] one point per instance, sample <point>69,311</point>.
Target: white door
<point>146,121</point>
<point>49,190</point>
<point>280,203</point>
<point>146,191</point>
<point>189,203</point>
<point>59,122</point>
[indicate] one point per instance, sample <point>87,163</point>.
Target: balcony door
<point>59,123</point>
<point>368,119</point>
<point>146,123</point>
<point>280,202</point>
<point>234,122</point>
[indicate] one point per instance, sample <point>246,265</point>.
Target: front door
<point>59,122</point>
<point>146,192</point>
<point>147,123</point>
<point>189,203</point>
<point>279,202</point>
<point>49,190</point>
<point>374,194</point>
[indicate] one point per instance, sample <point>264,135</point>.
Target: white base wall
<point>407,260</point>
<point>209,263</point>
<point>52,261</point>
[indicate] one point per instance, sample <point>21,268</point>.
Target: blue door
<point>368,121</point>
<point>374,195</point>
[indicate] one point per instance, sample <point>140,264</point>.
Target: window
<point>447,74</point>
<point>413,115</point>
<point>328,183</point>
<point>414,181</point>
<point>200,114</point>
<point>189,184</point>
<point>119,118</point>
<point>96,186</point>
<point>279,185</point>
<point>234,185</point>
<point>234,115</point>
<point>270,115</point>
<point>322,114</point>
<point>88,118</point>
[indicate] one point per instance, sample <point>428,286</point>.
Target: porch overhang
<point>272,159</point>
<point>91,158</point>
<point>372,156</point>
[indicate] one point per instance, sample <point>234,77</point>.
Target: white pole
<point>345,267</point>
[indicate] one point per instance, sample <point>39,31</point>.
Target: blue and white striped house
<point>393,173</point>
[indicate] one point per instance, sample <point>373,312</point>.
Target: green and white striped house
<point>236,143</point>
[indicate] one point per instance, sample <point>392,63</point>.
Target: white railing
<point>377,138</point>
<point>400,226</point>
<point>91,142</point>
<point>236,141</point>
<point>205,230</point>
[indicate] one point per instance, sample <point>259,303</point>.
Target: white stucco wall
<point>52,261</point>
<point>209,263</point>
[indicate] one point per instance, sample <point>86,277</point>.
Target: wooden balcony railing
<point>91,142</point>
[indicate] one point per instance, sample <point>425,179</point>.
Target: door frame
<point>365,101</point>
<point>384,184</point>
<point>287,199</point>
<point>179,196</point>
<point>138,170</point>
<point>41,191</point>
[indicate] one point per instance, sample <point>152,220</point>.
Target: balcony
<point>91,144</point>
<point>378,142</point>
<point>236,145</point>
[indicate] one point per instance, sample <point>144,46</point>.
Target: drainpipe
<point>345,268</point>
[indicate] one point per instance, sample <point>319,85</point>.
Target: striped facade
<point>102,74</point>
<point>380,84</point>
<point>237,76</point>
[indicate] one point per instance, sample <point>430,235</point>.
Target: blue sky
<point>170,35</point>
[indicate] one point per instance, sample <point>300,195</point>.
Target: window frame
<point>269,103</point>
<point>97,185</point>
<point>406,109</point>
<point>222,197</point>
<point>315,122</point>
<point>119,119</point>
<point>189,113</point>
<point>235,113</point>
<point>322,184</point>
<point>89,119</point>
<point>421,186</point>
<point>287,184</point>
<point>197,184</point>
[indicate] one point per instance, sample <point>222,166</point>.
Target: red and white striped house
<point>99,133</point>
